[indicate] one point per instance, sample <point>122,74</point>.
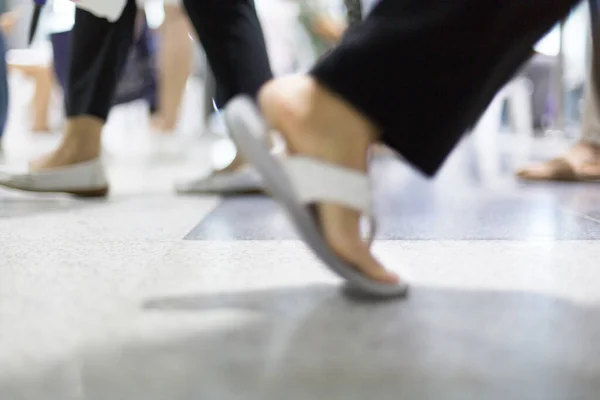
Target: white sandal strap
<point>317,181</point>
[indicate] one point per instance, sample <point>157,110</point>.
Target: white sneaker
<point>242,181</point>
<point>86,179</point>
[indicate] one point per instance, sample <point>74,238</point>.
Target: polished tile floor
<point>152,296</point>
<point>458,205</point>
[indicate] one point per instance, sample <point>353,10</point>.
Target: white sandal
<point>298,183</point>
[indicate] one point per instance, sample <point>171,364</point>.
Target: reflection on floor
<point>105,300</point>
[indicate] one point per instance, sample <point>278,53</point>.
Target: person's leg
<point>44,83</point>
<point>175,61</point>
<point>98,54</point>
<point>454,57</point>
<point>42,76</point>
<point>591,117</point>
<point>232,37</point>
<point>582,161</point>
<point>3,87</point>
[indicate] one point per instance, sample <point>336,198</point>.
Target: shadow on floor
<point>313,343</point>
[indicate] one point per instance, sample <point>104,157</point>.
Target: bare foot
<point>81,143</point>
<point>581,162</point>
<point>315,122</point>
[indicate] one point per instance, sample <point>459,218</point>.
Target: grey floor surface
<point>105,300</point>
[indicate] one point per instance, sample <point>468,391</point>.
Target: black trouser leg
<point>99,51</point>
<point>425,70</point>
<point>232,37</point>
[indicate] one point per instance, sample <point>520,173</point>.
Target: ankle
<point>80,148</point>
<point>317,122</point>
<point>83,139</point>
<point>75,153</point>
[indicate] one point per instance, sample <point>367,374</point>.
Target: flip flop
<point>297,183</point>
<point>245,180</point>
<point>558,169</point>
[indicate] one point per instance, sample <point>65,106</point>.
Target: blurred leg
<point>590,124</point>
<point>175,61</point>
<point>582,161</point>
<point>3,87</point>
<point>232,37</point>
<point>43,81</point>
<point>99,51</point>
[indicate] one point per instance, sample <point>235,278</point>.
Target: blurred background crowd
<point>165,68</point>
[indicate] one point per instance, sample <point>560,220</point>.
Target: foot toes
<point>348,245</point>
